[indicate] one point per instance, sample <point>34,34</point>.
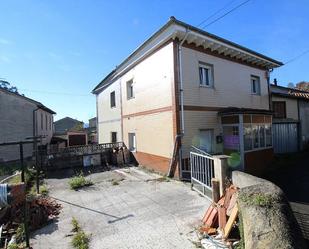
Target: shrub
<point>79,181</point>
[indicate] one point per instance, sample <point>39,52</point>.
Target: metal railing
<point>202,171</point>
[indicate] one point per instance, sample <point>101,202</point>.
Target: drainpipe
<point>182,129</point>
<point>34,123</point>
<point>269,91</point>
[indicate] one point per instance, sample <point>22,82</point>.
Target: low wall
<point>268,221</point>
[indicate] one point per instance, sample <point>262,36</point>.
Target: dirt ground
<point>142,210</point>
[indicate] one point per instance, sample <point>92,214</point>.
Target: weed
<point>20,233</point>
<point>75,224</point>
<point>44,190</point>
<point>80,239</point>
<point>13,246</point>
<point>257,199</point>
<point>115,182</point>
<point>79,181</point>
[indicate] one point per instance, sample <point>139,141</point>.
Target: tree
<point>303,85</point>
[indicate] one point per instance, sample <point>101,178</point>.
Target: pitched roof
<point>180,33</point>
<point>37,103</point>
<point>289,92</point>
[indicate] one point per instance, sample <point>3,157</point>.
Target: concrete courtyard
<point>142,211</point>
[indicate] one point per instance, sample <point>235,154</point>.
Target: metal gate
<point>285,137</point>
<point>202,171</point>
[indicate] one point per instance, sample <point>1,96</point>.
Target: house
<point>62,126</point>
<point>69,132</point>
<point>22,118</point>
<point>290,118</point>
<point>92,131</point>
<point>184,86</point>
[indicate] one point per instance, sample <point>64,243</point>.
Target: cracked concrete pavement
<point>142,211</point>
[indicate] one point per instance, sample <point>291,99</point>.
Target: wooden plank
<point>222,217</point>
<point>215,183</point>
<point>230,221</point>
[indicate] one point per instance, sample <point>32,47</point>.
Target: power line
<point>218,11</point>
<point>230,11</point>
<point>56,93</point>
<point>297,57</point>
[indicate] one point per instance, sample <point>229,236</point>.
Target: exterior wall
<point>291,106</point>
<point>109,119</point>
<point>232,86</point>
<point>256,162</point>
<point>16,124</point>
<point>304,121</point>
<point>42,127</point>
<point>196,121</point>
<point>149,114</point>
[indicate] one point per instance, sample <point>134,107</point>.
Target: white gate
<point>202,171</point>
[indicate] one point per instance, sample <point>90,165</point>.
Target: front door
<point>206,140</point>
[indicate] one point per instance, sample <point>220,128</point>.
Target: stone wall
<point>268,221</point>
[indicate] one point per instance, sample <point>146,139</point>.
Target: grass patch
<point>79,181</point>
<point>80,239</point>
<point>257,199</point>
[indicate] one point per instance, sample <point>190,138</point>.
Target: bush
<point>78,182</point>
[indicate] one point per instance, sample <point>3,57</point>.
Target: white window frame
<point>210,75</point>
<point>257,86</point>
<point>132,139</point>
<point>130,89</point>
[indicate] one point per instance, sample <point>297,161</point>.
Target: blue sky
<point>57,51</point>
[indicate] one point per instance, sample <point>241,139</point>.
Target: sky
<point>57,51</point>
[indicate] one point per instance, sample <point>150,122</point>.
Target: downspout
<point>34,124</point>
<point>182,128</point>
<point>268,86</point>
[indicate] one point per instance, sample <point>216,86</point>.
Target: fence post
<point>220,167</point>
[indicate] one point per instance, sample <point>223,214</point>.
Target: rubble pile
<point>221,224</point>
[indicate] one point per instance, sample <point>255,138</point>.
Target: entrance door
<point>206,140</point>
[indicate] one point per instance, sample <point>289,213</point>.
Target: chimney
<point>275,82</point>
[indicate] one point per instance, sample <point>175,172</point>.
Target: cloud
<point>4,41</point>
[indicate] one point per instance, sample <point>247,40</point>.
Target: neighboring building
<point>21,118</point>
<point>92,131</point>
<point>62,126</point>
<point>290,119</point>
<point>185,82</point>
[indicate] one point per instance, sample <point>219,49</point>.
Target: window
<point>231,138</point>
<point>257,135</point>
<point>113,99</point>
<point>255,85</point>
<point>206,75</point>
<point>279,108</point>
<point>114,137</point>
<point>41,121</point>
<point>50,122</point>
<point>132,142</point>
<point>45,121</point>
<point>130,90</point>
